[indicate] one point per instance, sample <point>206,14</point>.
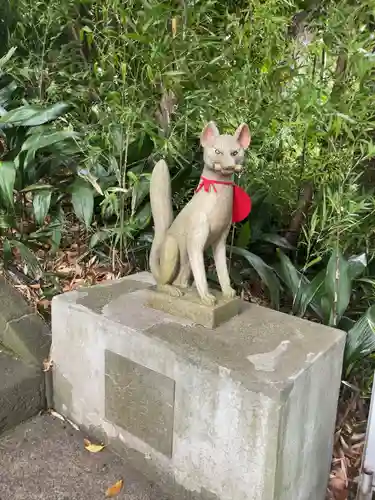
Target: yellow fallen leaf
<point>92,448</point>
<point>115,489</point>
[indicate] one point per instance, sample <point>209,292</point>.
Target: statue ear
<point>209,134</point>
<point>243,136</point>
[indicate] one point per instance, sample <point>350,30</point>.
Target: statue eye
<point>234,153</point>
<point>218,152</point>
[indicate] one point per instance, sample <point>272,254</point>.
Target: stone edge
<point>24,333</point>
<point>22,395</point>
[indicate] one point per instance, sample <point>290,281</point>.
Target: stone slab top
<point>263,349</point>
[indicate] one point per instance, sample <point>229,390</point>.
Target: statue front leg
<point>196,242</point>
<point>220,257</point>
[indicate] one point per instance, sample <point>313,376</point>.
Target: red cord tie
<point>241,200</point>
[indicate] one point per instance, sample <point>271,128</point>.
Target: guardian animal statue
<point>178,247</point>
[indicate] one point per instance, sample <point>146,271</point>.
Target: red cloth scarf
<point>241,200</point>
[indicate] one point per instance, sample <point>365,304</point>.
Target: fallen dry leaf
<point>57,415</point>
<point>35,286</point>
<point>47,364</point>
<point>75,426</point>
<point>93,448</point>
<point>115,489</point>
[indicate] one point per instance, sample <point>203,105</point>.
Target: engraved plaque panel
<point>140,400</point>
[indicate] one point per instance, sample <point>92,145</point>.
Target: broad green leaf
<point>265,272</point>
<point>244,236</point>
<point>32,265</point>
<point>18,115</point>
<point>41,204</point>
<point>310,291</point>
<point>291,277</point>
<point>56,225</point>
<point>338,286</point>
<point>277,240</point>
<point>6,94</point>
<point>357,264</point>
<point>41,140</point>
<point>7,180</point>
<point>305,293</point>
<point>360,341</point>
<point>83,201</point>
<point>143,217</point>
<point>31,115</point>
<point>326,308</point>
<point>140,190</point>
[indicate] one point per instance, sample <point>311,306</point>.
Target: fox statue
<point>177,251</point>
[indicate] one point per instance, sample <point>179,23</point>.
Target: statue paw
<point>229,293</point>
<point>208,299</point>
<point>171,290</point>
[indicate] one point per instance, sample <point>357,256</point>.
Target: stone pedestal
<point>242,412</point>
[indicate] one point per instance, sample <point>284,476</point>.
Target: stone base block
<point>21,391</point>
<point>242,412</point>
<point>22,330</point>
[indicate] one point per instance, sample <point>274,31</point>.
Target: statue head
<point>224,153</point>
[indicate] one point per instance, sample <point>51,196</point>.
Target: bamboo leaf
<point>360,340</point>
<point>7,180</point>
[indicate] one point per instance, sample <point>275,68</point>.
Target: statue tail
<point>162,212</point>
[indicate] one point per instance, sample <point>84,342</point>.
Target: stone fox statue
<point>178,246</point>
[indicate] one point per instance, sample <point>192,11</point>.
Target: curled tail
<point>162,212</point>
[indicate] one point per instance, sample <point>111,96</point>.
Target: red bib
<point>241,200</point>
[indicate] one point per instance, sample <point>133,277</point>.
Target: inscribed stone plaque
<point>140,400</point>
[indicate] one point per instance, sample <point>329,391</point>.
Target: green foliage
<point>141,78</point>
<point>38,160</point>
<point>307,97</point>
<point>360,340</point>
<point>83,201</point>
<point>264,271</point>
<point>328,296</point>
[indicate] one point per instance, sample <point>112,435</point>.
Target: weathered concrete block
<point>242,412</point>
<point>21,391</point>
<point>22,330</point>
